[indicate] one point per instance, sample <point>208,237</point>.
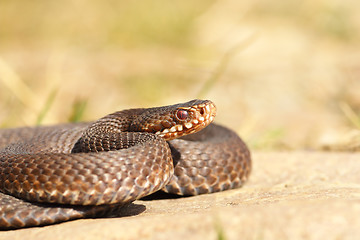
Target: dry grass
<point>284,74</point>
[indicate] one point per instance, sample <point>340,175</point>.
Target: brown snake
<point>57,173</point>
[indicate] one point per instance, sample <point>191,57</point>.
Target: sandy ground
<point>291,195</point>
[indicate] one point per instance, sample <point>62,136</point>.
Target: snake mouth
<point>188,120</point>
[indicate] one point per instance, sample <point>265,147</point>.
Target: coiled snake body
<point>57,173</point>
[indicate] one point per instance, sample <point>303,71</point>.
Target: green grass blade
<point>78,111</point>
<point>49,102</point>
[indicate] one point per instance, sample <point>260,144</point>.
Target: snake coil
<point>57,173</point>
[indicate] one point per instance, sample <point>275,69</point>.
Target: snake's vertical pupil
<point>182,114</point>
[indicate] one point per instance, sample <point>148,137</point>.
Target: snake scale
<point>51,174</point>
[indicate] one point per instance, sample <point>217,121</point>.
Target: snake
<point>51,174</point>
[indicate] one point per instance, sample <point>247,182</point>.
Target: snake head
<point>177,120</point>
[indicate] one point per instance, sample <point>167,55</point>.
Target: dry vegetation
<point>284,74</point>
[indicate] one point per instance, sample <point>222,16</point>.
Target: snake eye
<point>182,114</point>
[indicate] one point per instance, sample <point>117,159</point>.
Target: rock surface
<point>290,195</point>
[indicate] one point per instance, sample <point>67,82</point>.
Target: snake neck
<point>111,132</point>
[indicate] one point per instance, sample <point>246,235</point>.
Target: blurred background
<point>284,74</point>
